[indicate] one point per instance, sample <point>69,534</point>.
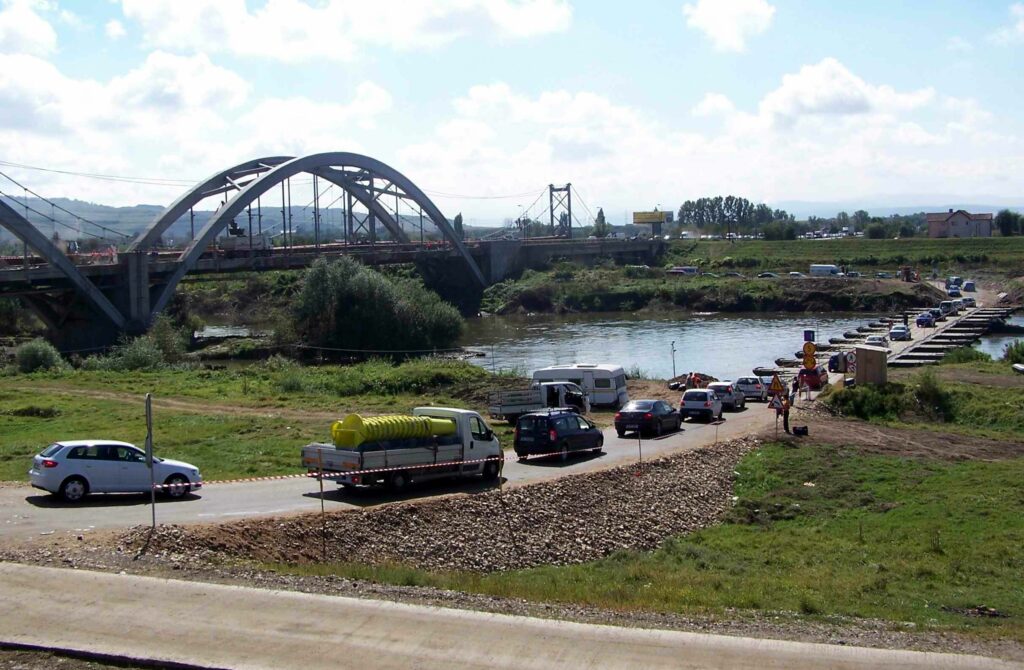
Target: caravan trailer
<point>604,383</point>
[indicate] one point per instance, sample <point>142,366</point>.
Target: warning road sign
<point>776,403</point>
<point>776,387</point>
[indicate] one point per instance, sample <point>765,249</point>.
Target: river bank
<point>608,289</point>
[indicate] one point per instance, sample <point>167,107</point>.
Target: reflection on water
<point>724,345</point>
<point>995,344</point>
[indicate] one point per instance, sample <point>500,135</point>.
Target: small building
<point>872,367</point>
<point>959,223</point>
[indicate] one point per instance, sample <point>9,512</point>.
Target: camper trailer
<point>604,383</point>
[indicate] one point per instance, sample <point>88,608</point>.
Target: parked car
<point>767,275</point>
<point>968,286</point>
<point>700,403</point>
<point>737,275</point>
<point>937,313</point>
<point>959,304</point>
<point>709,274</point>
<point>76,468</point>
<point>647,416</point>
<point>925,320</point>
<point>947,307</point>
<point>953,281</point>
<point>853,274</point>
<point>797,275</point>
<point>555,431</point>
<point>899,333</point>
<point>877,341</point>
<point>969,301</point>
<point>731,397</point>
<point>753,388</point>
<point>813,378</point>
<point>883,275</point>
<point>954,292</point>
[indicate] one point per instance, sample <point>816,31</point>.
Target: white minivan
<point>824,270</point>
<point>605,383</point>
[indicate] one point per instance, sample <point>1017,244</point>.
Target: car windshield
<point>638,406</point>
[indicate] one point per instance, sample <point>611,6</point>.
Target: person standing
<point>785,416</point>
<point>794,391</point>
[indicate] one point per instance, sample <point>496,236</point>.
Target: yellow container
<point>353,430</point>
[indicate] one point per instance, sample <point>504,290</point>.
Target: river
<point>994,344</point>
<point>724,345</point>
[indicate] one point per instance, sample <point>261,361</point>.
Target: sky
<point>483,103</point>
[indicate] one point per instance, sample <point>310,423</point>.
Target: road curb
<point>109,659</point>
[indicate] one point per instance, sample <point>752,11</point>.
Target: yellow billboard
<point>651,217</point>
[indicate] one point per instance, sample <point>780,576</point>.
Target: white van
<point>824,270</point>
<point>604,383</point>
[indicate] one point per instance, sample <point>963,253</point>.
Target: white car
<point>76,468</point>
<point>700,403</point>
<point>753,388</point>
<point>877,341</point>
<point>731,396</point>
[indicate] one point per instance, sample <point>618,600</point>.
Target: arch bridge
<point>88,306</point>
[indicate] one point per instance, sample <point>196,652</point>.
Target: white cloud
<point>829,88</point>
<point>713,104</point>
<point>114,29</point>
<point>1013,32</point>
<point>958,44</point>
<point>23,30</point>
<point>729,23</point>
<point>294,31</point>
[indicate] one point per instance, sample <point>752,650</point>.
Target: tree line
<point>729,211</point>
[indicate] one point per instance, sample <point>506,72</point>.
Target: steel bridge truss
<point>372,192</point>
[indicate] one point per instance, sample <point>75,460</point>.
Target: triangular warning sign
<point>776,386</point>
<point>775,403</point>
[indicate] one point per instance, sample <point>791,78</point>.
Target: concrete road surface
<point>213,625</point>
<point>26,512</point>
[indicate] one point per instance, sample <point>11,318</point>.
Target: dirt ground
<point>913,443</point>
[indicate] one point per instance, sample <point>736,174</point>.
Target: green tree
<point>875,231</point>
<point>860,219</point>
<point>1007,222</point>
<point>601,226</point>
<point>457,225</point>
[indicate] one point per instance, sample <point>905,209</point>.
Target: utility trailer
<point>510,405</point>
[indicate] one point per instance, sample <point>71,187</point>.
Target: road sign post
<point>776,387</point>
<point>776,403</point>
<point>149,456</point>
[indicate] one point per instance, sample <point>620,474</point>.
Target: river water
<point>724,345</point>
<point>994,344</point>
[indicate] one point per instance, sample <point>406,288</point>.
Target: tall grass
<point>1014,352</point>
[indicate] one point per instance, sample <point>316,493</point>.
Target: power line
<point>150,181</point>
<point>55,205</point>
<point>48,217</point>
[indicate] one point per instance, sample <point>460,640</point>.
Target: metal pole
<point>673,359</point>
<point>568,196</point>
<point>323,513</point>
<point>316,214</point>
<point>421,226</point>
<point>149,456</point>
<point>192,223</point>
<point>259,218</point>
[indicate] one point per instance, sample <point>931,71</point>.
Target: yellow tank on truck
<point>353,430</point>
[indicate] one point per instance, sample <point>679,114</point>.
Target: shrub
<point>1014,352</point>
<point>171,341</point>
<point>965,355</point>
<point>345,305</point>
<point>933,399</point>
<point>869,402</point>
<point>37,355</point>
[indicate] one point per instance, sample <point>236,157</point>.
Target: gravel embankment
<point>568,520</point>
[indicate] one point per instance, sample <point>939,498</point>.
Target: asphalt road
<point>26,512</point>
<point>213,625</point>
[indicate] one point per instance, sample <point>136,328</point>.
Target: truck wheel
<point>398,481</point>
<point>491,470</point>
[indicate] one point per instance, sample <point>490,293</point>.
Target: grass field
<point>238,422</point>
<point>952,256</point>
<point>975,398</point>
<point>817,531</point>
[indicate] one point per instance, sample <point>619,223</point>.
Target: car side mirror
<point>489,435</point>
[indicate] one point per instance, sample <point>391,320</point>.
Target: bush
<point>869,402</point>
<point>170,340</point>
<point>345,305</point>
<point>1014,352</point>
<point>965,355</point>
<point>932,398</point>
<point>37,355</point>
<point>141,353</point>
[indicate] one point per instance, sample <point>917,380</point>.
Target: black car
<point>555,432</point>
<point>767,275</point>
<point>647,416</point>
